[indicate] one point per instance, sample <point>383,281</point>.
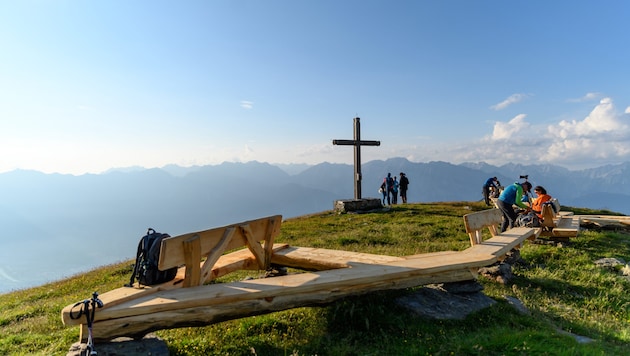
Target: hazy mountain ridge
<point>94,219</point>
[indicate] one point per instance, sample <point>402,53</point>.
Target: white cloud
<point>326,149</point>
<point>587,97</point>
<point>512,99</point>
<point>506,130</point>
<point>627,110</point>
<point>602,136</point>
<point>602,119</point>
<point>245,154</point>
<point>247,104</point>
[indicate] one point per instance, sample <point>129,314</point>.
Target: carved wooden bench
<point>476,222</point>
<point>561,225</point>
<point>498,243</point>
<point>190,301</point>
<point>202,257</point>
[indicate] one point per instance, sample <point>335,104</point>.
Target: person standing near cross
<point>357,143</point>
<point>404,184</point>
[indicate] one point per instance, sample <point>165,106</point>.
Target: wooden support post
<point>255,247</point>
<point>192,249</point>
<point>271,226</point>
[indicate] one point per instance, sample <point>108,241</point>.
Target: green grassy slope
<point>561,286</point>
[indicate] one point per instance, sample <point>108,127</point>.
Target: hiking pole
<point>90,319</point>
<point>89,309</point>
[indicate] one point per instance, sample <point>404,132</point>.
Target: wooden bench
<point>561,225</point>
<point>327,275</point>
<point>202,257</point>
<point>199,251</point>
<point>475,224</point>
<point>606,221</point>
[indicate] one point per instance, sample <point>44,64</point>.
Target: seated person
<point>541,198</point>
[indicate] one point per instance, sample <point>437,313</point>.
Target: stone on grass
<point>436,302</point>
<point>148,345</point>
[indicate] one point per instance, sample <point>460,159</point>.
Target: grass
<point>561,287</point>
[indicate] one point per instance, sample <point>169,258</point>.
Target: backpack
<point>390,183</point>
<point>555,205</point>
<point>527,220</point>
<point>146,269</point>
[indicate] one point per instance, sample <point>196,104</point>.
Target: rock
<point>462,287</point>
<point>435,302</point>
<point>513,257</point>
<point>357,205</point>
<point>501,272</point>
<point>275,271</point>
<point>609,262</point>
<point>517,304</point>
<point>579,338</point>
<point>124,346</point>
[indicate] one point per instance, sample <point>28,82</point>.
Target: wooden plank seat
<point>325,275</point>
<point>561,225</point>
<point>606,221</point>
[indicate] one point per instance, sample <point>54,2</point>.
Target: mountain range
<point>55,225</point>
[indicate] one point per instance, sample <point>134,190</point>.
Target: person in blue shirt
<point>491,182</point>
<point>512,195</point>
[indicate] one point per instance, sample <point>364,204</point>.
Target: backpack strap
<point>135,265</point>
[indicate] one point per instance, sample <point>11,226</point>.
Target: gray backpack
<point>527,220</point>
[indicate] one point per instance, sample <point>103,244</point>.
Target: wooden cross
<point>357,143</point>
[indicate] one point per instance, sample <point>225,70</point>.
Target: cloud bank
<point>602,136</point>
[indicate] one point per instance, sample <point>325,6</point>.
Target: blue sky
<point>90,85</point>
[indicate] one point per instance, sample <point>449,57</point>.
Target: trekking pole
<point>96,303</point>
<point>89,309</point>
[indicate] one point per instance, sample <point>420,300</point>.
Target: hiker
<point>512,195</point>
<point>404,183</point>
<point>395,191</point>
<point>541,198</point>
<point>389,183</point>
<point>383,190</point>
<point>491,182</point>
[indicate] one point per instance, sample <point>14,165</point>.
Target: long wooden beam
<point>218,302</point>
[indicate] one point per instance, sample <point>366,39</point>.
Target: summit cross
<point>357,143</point>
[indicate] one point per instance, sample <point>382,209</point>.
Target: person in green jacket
<point>512,195</point>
